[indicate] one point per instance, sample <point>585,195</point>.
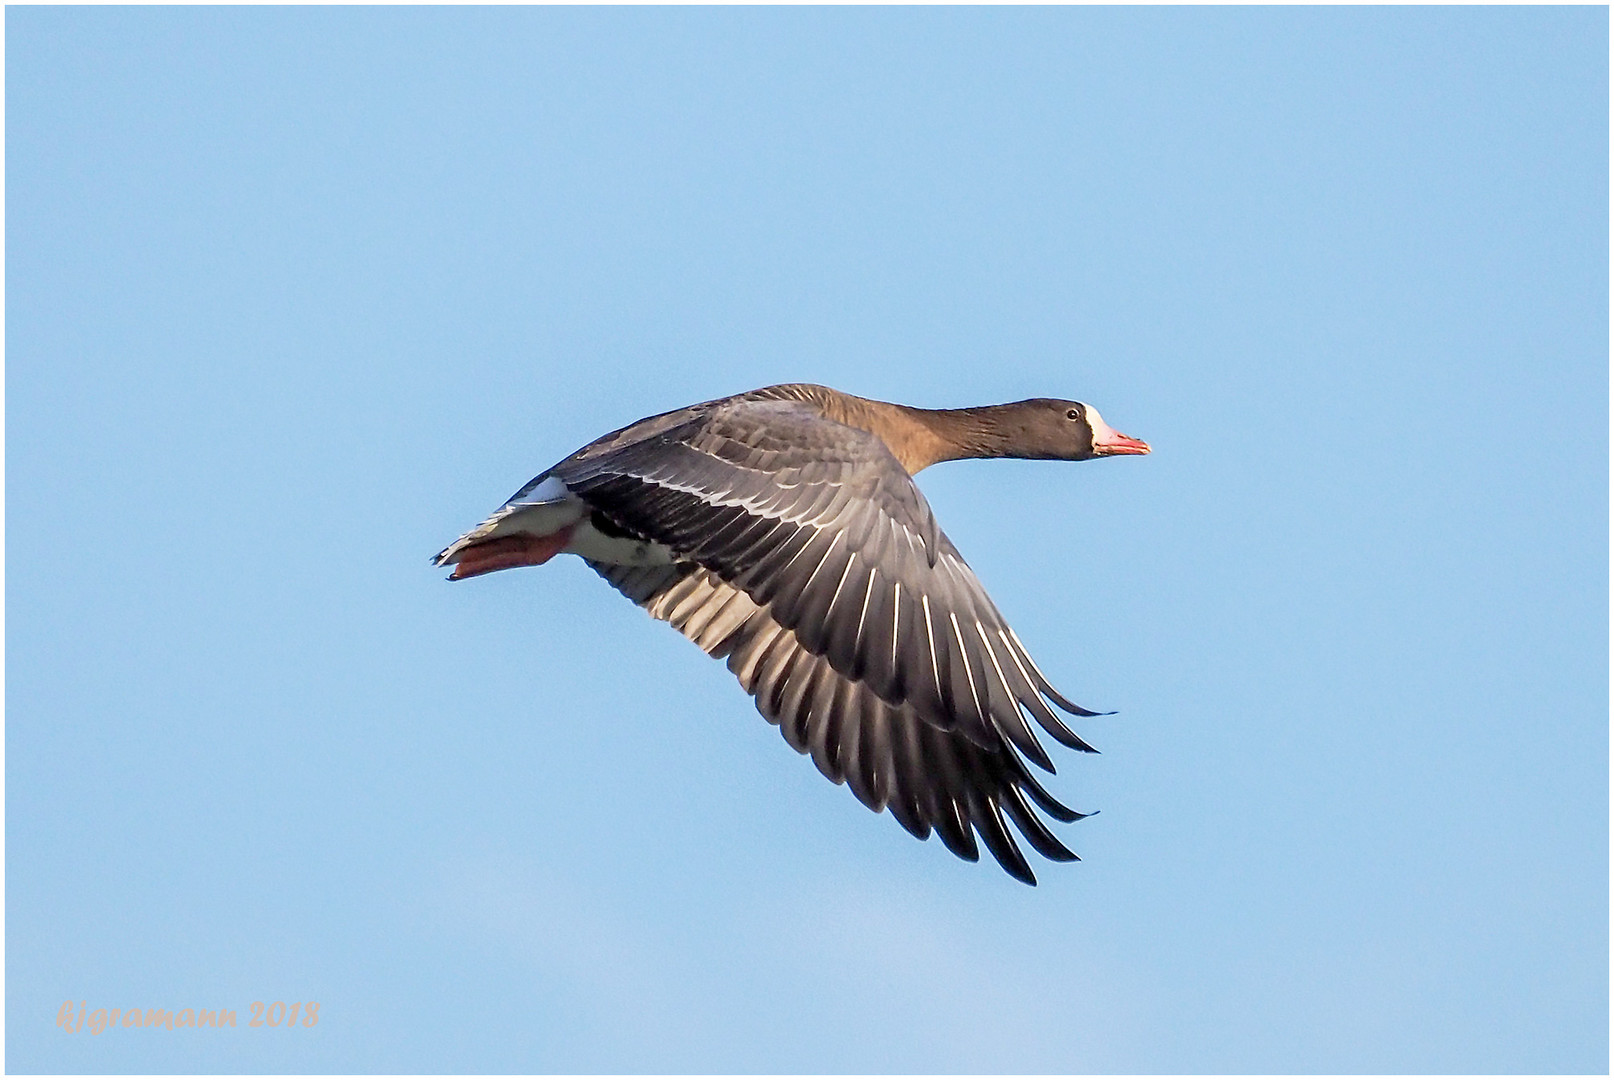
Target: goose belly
<point>546,507</point>
<point>596,546</point>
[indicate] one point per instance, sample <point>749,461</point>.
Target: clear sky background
<point>293,297</point>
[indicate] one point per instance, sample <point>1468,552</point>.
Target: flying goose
<point>782,529</point>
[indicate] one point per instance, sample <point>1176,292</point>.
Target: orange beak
<point>1110,442</point>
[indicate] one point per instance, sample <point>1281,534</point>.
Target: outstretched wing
<point>811,560</point>
<point>929,778</point>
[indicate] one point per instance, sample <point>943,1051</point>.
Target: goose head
<point>1048,429</point>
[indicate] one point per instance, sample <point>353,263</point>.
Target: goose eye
<point>1073,415</point>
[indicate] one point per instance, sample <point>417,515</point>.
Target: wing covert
<point>819,523</point>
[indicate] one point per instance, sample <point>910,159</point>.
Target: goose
<point>781,530</point>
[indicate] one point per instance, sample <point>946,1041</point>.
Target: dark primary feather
<point>812,562</point>
<point>890,757</point>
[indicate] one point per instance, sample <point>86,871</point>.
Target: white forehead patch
<point>1102,432</point>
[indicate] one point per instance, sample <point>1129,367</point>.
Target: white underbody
<point>544,509</point>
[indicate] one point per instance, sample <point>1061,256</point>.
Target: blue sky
<point>295,296</point>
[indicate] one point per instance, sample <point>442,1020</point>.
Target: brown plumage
<point>781,529</point>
